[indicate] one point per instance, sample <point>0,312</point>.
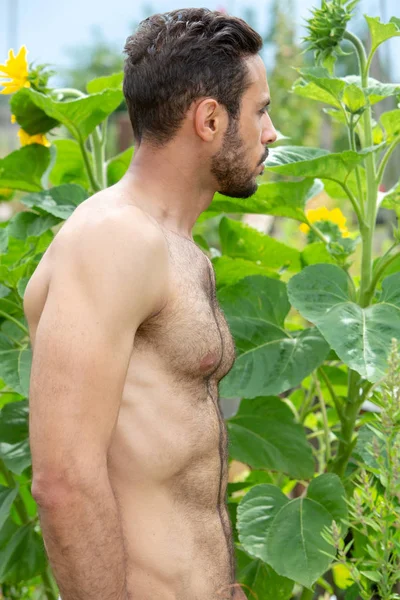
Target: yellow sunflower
<point>26,139</point>
<point>16,69</point>
<point>324,214</point>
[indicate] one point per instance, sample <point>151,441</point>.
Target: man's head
<point>198,73</point>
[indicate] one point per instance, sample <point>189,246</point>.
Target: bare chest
<point>191,333</point>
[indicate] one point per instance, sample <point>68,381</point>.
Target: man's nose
<point>269,133</point>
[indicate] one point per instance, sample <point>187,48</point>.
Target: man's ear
<point>209,119</point>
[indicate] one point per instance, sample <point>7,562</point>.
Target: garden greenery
<point>313,342</point>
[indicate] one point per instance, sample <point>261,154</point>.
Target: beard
<point>229,166</point>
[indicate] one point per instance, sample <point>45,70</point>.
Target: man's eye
<point>264,110</point>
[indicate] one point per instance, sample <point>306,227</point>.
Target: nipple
<point>210,360</point>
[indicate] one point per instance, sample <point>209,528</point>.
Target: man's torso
<point>168,462</point>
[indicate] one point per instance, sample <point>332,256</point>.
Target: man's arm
<point>107,279</point>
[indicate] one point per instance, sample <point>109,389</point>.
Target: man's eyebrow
<point>265,102</point>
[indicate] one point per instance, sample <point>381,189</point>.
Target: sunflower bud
<point>327,26</point>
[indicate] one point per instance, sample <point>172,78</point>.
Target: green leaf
<point>60,201</point>
<point>16,457</point>
<point>118,165</point>
<point>285,534</point>
<point>26,224</point>
<point>375,90</point>
<point>313,162</point>
<point>391,123</point>
<point>239,240</point>
<point>23,169</point>
<point>69,166</point>
<point>321,78</point>
<point>23,557</point>
<point>316,253</point>
<point>269,359</point>
<point>372,575</point>
<point>381,32</point>
<point>94,86</point>
<point>264,435</point>
<point>15,366</point>
<point>314,92</point>
<point>282,199</point>
<point>229,271</point>
<point>81,115</point>
<point>260,579</point>
<point>14,422</point>
<point>391,199</point>
<point>361,337</point>
<point>328,490</point>
<point>353,98</point>
<point>29,116</point>
<point>7,497</point>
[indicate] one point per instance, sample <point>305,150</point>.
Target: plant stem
<point>93,182</point>
<point>307,402</point>
<point>318,233</point>
<point>335,399</point>
<point>307,594</point>
<point>324,420</point>
<point>350,413</point>
<point>353,200</point>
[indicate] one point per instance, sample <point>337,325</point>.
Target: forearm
<point>84,543</point>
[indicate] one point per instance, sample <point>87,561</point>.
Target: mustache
<point>265,156</point>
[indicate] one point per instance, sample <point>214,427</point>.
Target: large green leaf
<point>264,435</point>
<point>24,169</point>
<point>380,32</point>
<point>23,556</point>
<point>391,199</point>
<point>7,497</point>
<point>14,422</point>
<point>69,166</point>
<point>59,201</point>
<point>114,81</point>
<point>26,224</point>
<point>361,337</point>
<point>391,123</point>
<point>15,366</point>
<point>81,115</point>
<point>118,165</point>
<point>16,457</point>
<point>239,240</point>
<point>229,271</point>
<point>32,118</point>
<point>314,162</point>
<point>282,199</point>
<point>269,359</point>
<point>260,579</point>
<point>286,534</point>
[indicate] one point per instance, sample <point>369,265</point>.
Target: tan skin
<point>128,442</point>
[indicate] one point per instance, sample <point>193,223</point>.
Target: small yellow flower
<point>16,69</point>
<point>341,576</point>
<point>13,119</point>
<point>324,214</point>
<point>26,139</point>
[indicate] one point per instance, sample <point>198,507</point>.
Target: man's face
<point>239,161</point>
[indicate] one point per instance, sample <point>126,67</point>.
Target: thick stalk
<point>367,230</point>
<point>350,413</point>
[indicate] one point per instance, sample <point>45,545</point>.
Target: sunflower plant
<point>312,326</point>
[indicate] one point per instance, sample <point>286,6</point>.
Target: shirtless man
<point>129,445</point>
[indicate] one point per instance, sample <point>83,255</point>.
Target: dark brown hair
<point>176,57</point>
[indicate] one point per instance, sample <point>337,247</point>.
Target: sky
<point>49,27</point>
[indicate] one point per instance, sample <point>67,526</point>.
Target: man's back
<point>166,447</point>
